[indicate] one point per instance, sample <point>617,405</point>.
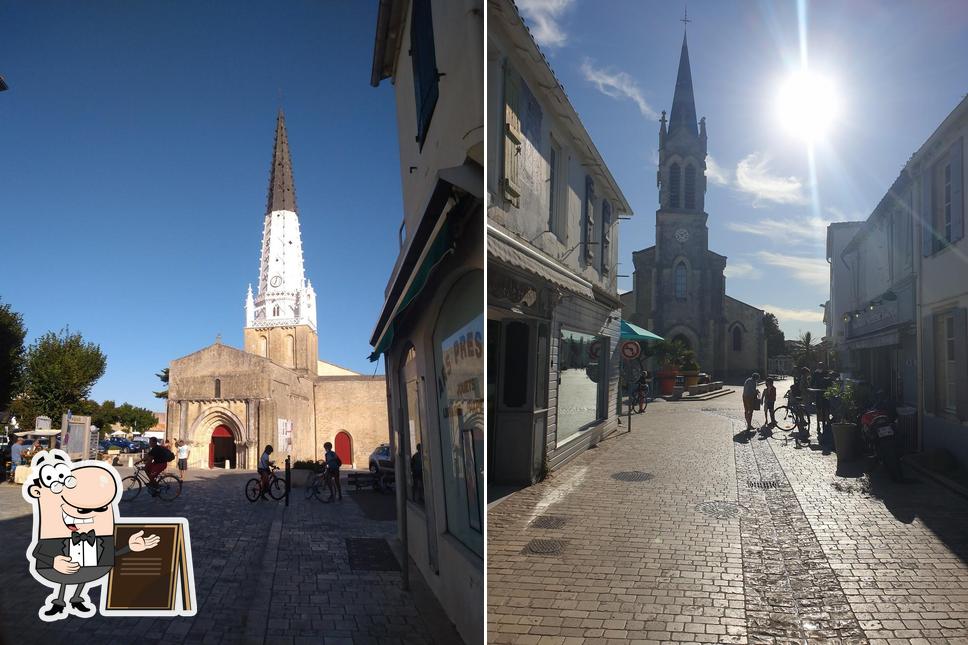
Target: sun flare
<point>808,105</point>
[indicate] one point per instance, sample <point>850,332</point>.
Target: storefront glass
<point>459,354</point>
<point>581,381</point>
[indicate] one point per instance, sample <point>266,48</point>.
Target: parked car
<point>381,460</point>
<point>123,444</point>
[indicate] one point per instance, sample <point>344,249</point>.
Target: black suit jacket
<point>48,549</point>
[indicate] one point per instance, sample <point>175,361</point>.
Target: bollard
<point>287,482</point>
<point>228,465</point>
<point>130,461</point>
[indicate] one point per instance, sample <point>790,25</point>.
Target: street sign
<point>630,350</point>
<point>594,350</point>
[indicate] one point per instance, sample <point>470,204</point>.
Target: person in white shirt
<point>182,457</point>
<point>265,468</point>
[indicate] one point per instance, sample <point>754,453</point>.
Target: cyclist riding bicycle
<point>642,390</point>
<point>265,469</point>
<point>155,460</point>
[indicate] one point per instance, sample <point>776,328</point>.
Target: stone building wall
<point>356,405</point>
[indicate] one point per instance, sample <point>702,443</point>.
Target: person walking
<point>332,464</point>
<point>820,381</point>
<point>183,451</point>
<point>769,402</point>
<point>16,455</point>
<point>749,398</point>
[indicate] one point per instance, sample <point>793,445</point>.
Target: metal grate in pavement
<point>370,554</point>
<point>549,522</point>
<point>762,485</point>
<point>720,509</point>
<point>632,476</point>
<point>544,547</point>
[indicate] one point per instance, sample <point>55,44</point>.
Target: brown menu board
<point>155,580</point>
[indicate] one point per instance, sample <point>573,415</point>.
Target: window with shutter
<point>588,230</point>
<point>424,61</point>
<point>512,137</point>
<point>606,236</point>
<point>957,213</point>
<point>554,159</point>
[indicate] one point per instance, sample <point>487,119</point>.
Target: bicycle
<point>276,487</point>
<point>318,484</point>
<point>166,486</point>
<point>794,415</point>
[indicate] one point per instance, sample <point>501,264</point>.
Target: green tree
<point>135,418</point>
<point>805,350</point>
<point>163,377</point>
<point>775,339</point>
<point>60,370</point>
<point>12,334</point>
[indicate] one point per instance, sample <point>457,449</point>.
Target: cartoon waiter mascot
<point>75,508</point>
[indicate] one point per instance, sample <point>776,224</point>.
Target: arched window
<point>275,310</point>
<point>291,346</point>
<point>737,339</point>
<point>690,186</point>
<point>263,345</point>
<point>681,277</point>
<point>218,388</point>
<point>675,186</point>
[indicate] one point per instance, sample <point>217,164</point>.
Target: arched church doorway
<point>344,447</point>
<point>221,448</point>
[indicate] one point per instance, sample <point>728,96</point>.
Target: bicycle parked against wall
<point>276,487</point>
<point>167,486</point>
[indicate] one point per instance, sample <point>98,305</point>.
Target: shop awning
<point>37,433</point>
<point>506,249</point>
<point>883,339</point>
<point>634,332</point>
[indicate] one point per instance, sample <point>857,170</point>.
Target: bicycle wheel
<point>253,488</point>
<point>130,488</point>
<point>786,419</point>
<point>169,487</point>
<point>277,488</point>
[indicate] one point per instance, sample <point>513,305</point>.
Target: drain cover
<point>549,522</point>
<point>770,483</point>
<point>544,547</point>
<point>370,554</point>
<point>633,476</point>
<point>720,509</point>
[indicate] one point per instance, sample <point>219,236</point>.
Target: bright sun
<point>808,105</point>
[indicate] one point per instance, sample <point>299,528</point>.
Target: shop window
<point>459,363</point>
<point>517,342</point>
<point>582,381</point>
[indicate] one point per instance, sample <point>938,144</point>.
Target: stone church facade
<point>229,403</point>
<point>679,286</point>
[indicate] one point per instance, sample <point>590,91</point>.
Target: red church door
<point>221,448</point>
<point>344,447</point>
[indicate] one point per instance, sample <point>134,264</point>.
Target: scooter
<point>879,433</point>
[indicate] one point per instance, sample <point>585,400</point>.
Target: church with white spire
<point>679,284</point>
<point>229,403</point>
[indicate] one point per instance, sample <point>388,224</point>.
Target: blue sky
<point>137,139</point>
<point>898,70</point>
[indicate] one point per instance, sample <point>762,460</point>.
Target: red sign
<point>630,350</point>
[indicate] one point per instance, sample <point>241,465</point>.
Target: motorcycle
<point>879,432</point>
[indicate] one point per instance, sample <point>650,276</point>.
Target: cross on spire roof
<point>685,17</point>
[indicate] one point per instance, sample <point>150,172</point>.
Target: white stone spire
<point>284,296</point>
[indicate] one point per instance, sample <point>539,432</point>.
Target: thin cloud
<point>716,173</point>
<point>784,314</point>
<point>753,176</point>
<point>809,230</point>
<point>544,18</point>
<point>809,270</point>
<point>617,85</point>
<point>740,269</point>
<point>842,216</point>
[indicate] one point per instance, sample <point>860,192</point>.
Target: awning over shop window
<point>634,332</point>
<point>884,339</point>
<point>506,249</point>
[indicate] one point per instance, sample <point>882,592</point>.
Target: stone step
<point>708,395</point>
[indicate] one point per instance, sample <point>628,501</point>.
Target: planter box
<point>845,441</point>
<point>299,477</point>
<point>667,382</point>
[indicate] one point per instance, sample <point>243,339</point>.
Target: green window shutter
<point>927,216</point>
<point>512,137</point>
<point>927,363</point>
<point>961,362</point>
<point>957,192</point>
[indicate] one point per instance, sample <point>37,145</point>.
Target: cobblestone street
<point>686,530</point>
<point>263,574</point>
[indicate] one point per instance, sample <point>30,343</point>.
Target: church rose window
<point>681,280</point>
<point>690,186</point>
<point>582,381</point>
<point>675,180</point>
<point>459,362</point>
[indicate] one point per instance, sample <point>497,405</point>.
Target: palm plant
<point>671,354</point>
<point>805,350</point>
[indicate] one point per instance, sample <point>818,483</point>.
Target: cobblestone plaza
<point>687,530</point>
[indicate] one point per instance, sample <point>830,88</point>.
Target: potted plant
<point>844,408</point>
<point>689,369</point>
<point>670,356</point>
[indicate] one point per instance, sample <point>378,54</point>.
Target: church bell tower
<point>280,318</point>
